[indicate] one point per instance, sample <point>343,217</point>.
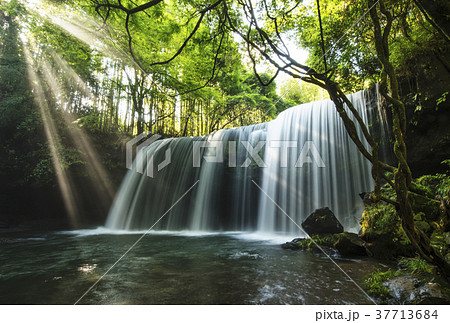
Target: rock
<point>322,221</point>
<point>407,289</point>
<point>350,245</point>
<point>432,301</point>
<point>365,196</point>
<point>430,294</point>
<point>429,208</point>
<point>387,247</point>
<point>290,245</point>
<point>402,288</point>
<point>431,290</point>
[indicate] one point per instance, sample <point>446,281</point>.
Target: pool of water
<point>172,268</point>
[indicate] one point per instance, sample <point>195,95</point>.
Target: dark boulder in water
<point>292,245</point>
<point>322,221</point>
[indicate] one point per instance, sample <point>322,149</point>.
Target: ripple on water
<point>246,255</point>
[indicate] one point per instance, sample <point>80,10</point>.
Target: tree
<point>18,120</point>
<point>402,173</point>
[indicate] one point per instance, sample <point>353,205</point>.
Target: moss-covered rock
<point>381,227</point>
<point>427,207</point>
<point>381,219</point>
<point>423,226</point>
<point>346,243</point>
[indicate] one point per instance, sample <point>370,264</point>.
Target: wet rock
<point>350,245</point>
<point>402,288</point>
<point>407,289</point>
<point>290,245</point>
<point>430,293</point>
<point>322,221</point>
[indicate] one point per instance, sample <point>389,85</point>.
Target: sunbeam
<point>76,79</point>
<point>96,171</point>
<point>85,29</point>
<point>63,178</point>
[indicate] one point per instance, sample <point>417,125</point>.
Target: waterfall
<point>301,161</point>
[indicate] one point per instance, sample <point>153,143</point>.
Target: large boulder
<point>350,245</point>
<point>322,221</point>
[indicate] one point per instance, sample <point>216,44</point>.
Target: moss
<point>381,220</point>
<point>430,208</point>
<point>423,226</point>
<point>325,240</point>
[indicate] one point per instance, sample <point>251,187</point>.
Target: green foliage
<point>416,266</point>
<point>382,218</point>
<point>374,282</point>
<point>295,92</point>
<point>441,99</point>
<point>20,145</point>
<point>14,93</point>
<point>438,184</point>
<point>349,46</point>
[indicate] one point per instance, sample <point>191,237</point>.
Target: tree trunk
<point>402,174</point>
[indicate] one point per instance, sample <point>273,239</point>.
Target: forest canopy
<point>193,67</point>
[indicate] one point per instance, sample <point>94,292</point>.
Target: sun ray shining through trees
<point>64,182</point>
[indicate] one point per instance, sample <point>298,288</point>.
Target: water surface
<point>171,268</point>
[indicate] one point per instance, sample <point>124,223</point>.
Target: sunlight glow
<point>75,78</point>
<point>84,29</point>
<point>96,171</point>
<point>64,182</point>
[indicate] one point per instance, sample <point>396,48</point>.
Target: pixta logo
<point>287,153</point>
<point>308,154</point>
<point>149,156</point>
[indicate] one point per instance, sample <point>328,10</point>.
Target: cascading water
<point>302,160</point>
